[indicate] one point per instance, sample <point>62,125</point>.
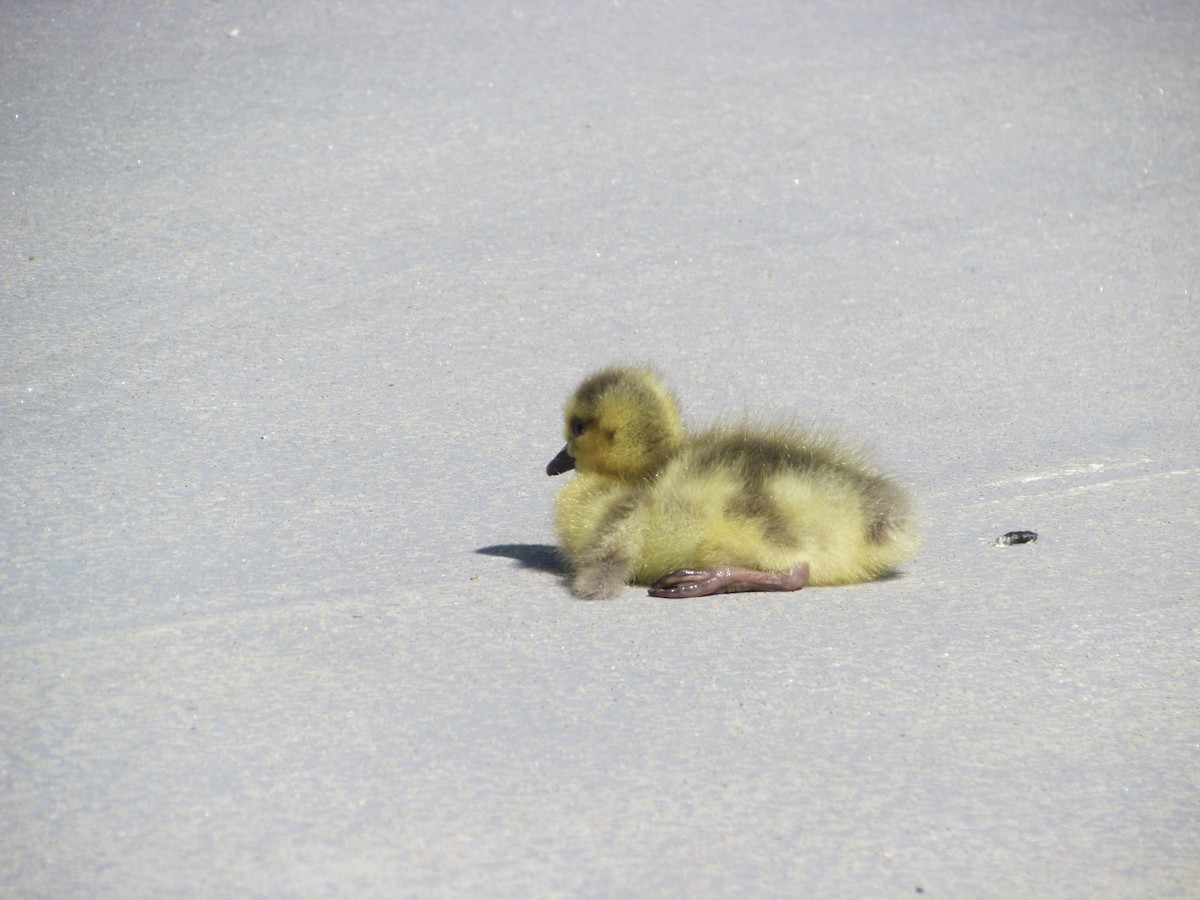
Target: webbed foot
<point>727,580</point>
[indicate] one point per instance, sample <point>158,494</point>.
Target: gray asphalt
<point>292,298</point>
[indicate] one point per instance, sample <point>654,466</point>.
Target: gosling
<point>734,508</point>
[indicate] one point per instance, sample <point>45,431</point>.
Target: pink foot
<point>727,580</point>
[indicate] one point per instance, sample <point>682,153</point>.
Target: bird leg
<point>727,580</point>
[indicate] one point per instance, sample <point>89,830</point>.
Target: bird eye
<point>578,427</point>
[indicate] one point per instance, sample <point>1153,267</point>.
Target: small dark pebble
<point>1016,537</point>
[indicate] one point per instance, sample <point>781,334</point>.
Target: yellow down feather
<point>647,498</point>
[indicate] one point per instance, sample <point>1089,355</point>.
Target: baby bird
<point>730,509</point>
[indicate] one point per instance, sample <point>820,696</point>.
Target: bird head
<point>621,422</point>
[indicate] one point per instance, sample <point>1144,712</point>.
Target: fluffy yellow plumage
<point>734,508</point>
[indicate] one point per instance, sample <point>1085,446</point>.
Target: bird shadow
<point>543,557</point>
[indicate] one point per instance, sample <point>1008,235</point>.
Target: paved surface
<point>291,301</point>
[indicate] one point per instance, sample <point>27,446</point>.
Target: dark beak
<point>564,462</point>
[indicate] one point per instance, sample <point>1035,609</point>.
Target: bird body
<point>736,507</point>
